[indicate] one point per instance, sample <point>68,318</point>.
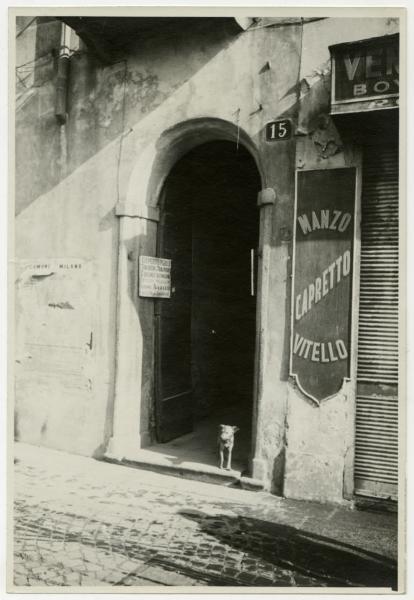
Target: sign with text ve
<point>154,277</point>
<point>322,281</point>
<point>365,70</point>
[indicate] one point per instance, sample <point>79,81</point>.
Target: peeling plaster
<point>325,138</point>
<point>61,305</point>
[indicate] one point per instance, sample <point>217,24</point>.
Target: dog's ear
<point>236,429</point>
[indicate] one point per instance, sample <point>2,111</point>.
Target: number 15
<point>278,130</point>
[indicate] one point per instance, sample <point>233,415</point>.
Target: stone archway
<point>158,157</point>
<point>138,219</point>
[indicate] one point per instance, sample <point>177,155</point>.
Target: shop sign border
<point>294,376</point>
<point>337,50</point>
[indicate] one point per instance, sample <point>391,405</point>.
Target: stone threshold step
<point>187,470</point>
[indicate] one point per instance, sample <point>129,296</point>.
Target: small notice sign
<point>322,281</point>
<point>154,277</point>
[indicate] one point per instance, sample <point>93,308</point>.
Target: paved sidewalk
<point>80,522</point>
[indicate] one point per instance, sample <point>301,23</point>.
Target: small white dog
<point>225,442</point>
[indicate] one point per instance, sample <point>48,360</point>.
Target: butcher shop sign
<point>322,281</point>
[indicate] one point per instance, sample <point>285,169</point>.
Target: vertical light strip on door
<point>376,450</point>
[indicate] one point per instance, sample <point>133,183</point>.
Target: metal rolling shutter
<point>376,450</point>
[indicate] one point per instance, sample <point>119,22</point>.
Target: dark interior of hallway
<point>207,334</point>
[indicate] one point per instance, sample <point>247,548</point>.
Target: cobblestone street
<point>80,522</point>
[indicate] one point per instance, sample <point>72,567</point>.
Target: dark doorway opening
<point>206,331</point>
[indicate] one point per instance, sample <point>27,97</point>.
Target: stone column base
<point>118,449</point>
<point>259,470</point>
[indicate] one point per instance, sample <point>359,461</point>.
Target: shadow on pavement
<point>332,562</point>
<point>215,550</point>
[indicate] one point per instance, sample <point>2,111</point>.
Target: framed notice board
<point>322,280</point>
<point>154,277</point>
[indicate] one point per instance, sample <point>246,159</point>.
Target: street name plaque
<point>322,281</point>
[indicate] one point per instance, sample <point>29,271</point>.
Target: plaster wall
<point>68,226</point>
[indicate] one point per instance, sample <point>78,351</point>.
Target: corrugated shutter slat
<point>379,264</point>
<point>376,445</point>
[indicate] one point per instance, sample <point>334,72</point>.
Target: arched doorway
<point>205,350</point>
